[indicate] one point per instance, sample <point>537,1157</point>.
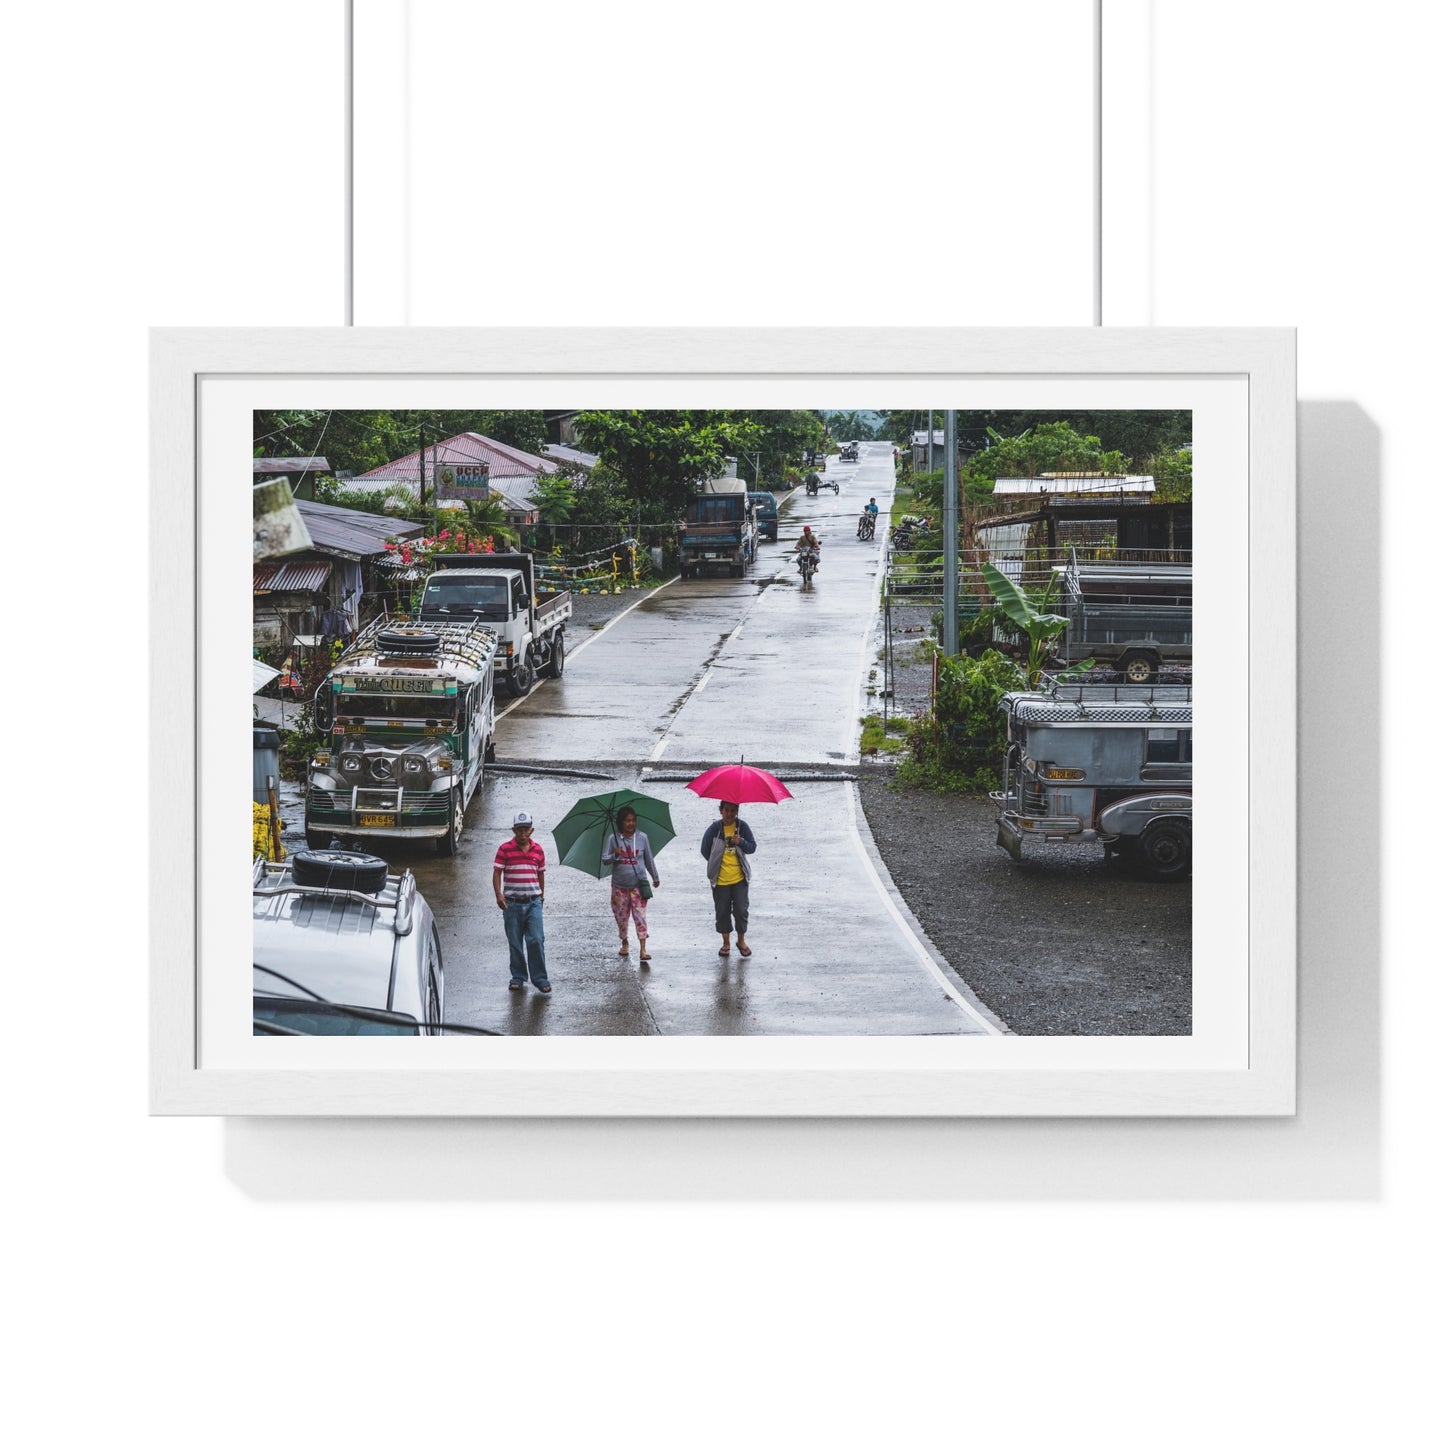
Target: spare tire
<point>408,640</point>
<point>339,868</point>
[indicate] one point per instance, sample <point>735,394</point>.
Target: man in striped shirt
<point>519,880</point>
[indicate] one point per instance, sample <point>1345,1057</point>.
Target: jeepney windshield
<point>402,706</point>
<point>456,596</point>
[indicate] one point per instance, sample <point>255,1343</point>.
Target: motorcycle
<point>807,565</point>
<point>866,523</point>
<point>903,534</point>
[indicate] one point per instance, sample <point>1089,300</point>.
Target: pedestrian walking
<point>630,854</point>
<point>519,881</point>
<point>727,845</point>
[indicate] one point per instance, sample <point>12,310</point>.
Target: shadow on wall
<point>1330,1150</point>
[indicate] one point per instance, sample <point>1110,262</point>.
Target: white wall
<point>197,1280</point>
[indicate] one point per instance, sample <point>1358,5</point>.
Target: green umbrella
<point>581,834</point>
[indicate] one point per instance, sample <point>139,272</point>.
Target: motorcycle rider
<point>810,542</point>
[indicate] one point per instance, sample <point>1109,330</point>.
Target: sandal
<point>724,951</point>
<point>644,958</point>
<point>745,950</point>
<point>622,952</point>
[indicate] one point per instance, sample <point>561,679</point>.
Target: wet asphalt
<point>699,673</point>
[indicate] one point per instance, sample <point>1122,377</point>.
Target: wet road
<point>703,672</point>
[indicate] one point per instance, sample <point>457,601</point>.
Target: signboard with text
<point>469,482</point>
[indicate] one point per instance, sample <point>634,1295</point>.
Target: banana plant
<point>1038,624</point>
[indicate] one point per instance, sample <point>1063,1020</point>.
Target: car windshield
<point>466,597</point>
<point>416,707</point>
<point>275,1015</point>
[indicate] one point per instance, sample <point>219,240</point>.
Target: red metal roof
<point>290,577</point>
<point>467,448</point>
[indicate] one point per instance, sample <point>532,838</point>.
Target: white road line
<point>603,631</point>
<point>657,751</point>
<point>588,643</point>
<point>920,952</point>
<point>702,682</point>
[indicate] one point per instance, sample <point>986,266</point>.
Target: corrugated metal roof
<point>467,448</point>
<point>557,452</point>
<point>290,576</point>
<point>357,534</point>
<point>1070,486</point>
<point>285,466</point>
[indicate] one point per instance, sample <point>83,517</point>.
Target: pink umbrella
<point>739,783</point>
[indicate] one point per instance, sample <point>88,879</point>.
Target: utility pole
<point>950,532</point>
<point>930,440</point>
<point>421,465</point>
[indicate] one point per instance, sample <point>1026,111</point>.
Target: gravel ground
<point>912,659</point>
<point>1061,944</point>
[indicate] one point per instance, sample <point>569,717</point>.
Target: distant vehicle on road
<point>848,452</point>
<point>765,512</point>
<point>1103,765</point>
<point>719,529</point>
<point>340,946</point>
<point>814,484</point>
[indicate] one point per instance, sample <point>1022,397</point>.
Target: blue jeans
<point>523,922</point>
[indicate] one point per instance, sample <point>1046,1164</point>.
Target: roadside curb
<point>885,879</point>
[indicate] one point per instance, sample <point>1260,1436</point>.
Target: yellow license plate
<point>378,820</point>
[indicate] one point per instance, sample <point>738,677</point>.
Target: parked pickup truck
<point>1137,619</point>
<point>499,588</point>
<point>720,530</point>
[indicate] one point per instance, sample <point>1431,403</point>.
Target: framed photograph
<point>723,722</point>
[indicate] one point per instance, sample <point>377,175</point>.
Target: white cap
<point>522,820</point>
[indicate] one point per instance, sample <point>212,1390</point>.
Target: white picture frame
<point>190,367</point>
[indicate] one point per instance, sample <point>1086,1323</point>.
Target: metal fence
<point>913,579</point>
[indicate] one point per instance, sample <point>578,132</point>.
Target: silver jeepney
<point>1101,765</point>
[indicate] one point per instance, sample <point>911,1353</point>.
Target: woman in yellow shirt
<point>727,846</point>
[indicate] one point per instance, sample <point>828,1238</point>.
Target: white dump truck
<point>499,588</point>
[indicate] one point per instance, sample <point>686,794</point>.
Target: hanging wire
<point>349,169</point>
<point>1098,162</point>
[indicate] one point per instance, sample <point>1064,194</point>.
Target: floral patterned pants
<point>629,903</point>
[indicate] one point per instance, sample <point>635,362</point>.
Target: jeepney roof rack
<point>1081,690</point>
<point>472,643</point>
<point>1073,702</point>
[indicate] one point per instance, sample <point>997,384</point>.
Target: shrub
<point>958,747</point>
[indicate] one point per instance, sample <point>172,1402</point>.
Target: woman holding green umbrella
<point>600,835</point>
<point>630,854</point>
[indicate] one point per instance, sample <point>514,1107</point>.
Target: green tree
<point>659,457</point>
<point>1050,446</point>
<point>783,436</point>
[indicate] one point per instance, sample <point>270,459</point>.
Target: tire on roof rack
<point>408,640</point>
<point>339,868</point>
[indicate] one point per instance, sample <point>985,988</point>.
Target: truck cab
<point>500,589</point>
<point>1100,765</point>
